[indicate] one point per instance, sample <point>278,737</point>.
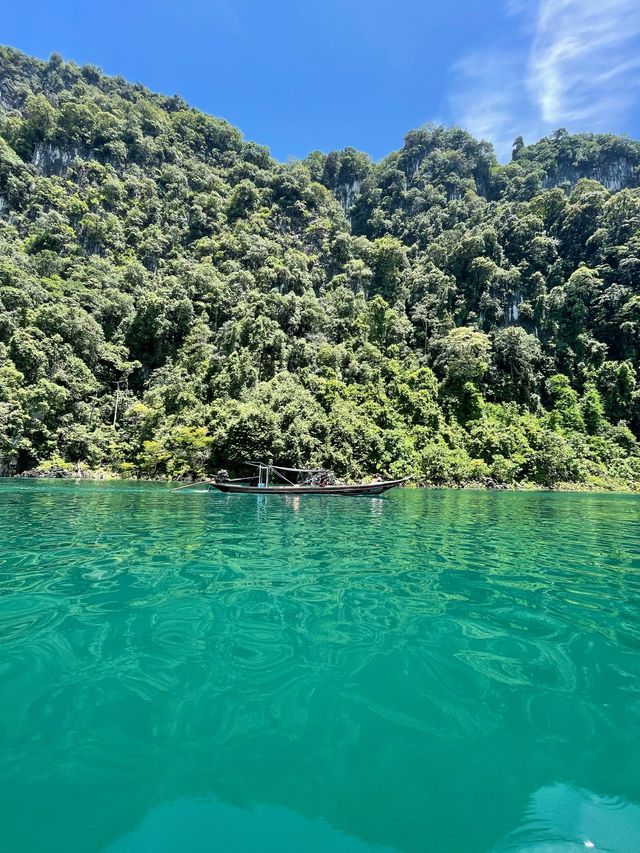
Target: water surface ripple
<point>428,671</point>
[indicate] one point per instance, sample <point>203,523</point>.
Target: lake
<point>426,671</point>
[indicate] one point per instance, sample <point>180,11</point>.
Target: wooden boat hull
<point>357,489</point>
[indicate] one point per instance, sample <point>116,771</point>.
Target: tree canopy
<point>174,300</point>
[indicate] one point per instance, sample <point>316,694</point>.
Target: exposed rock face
<point>514,310</point>
<point>55,472</point>
<point>51,160</point>
<point>614,174</point>
<point>346,194</point>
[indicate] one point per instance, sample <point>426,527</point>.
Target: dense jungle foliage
<point>173,300</point>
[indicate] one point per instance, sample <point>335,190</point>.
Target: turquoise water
<point>428,671</point>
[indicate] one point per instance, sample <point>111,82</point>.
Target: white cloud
<point>577,65</point>
<point>486,87</point>
<point>584,59</point>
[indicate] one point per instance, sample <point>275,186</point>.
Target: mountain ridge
<point>436,313</point>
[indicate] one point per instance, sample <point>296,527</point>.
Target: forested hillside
<point>173,300</point>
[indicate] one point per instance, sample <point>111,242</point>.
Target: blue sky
<point>300,75</point>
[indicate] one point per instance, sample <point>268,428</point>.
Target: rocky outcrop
<point>55,472</point>
<point>51,160</point>
<point>615,174</point>
<point>346,194</point>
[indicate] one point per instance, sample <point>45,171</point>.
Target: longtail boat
<point>278,480</point>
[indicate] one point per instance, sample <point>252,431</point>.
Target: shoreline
<point>525,486</point>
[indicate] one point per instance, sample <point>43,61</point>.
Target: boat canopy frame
<point>265,469</point>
